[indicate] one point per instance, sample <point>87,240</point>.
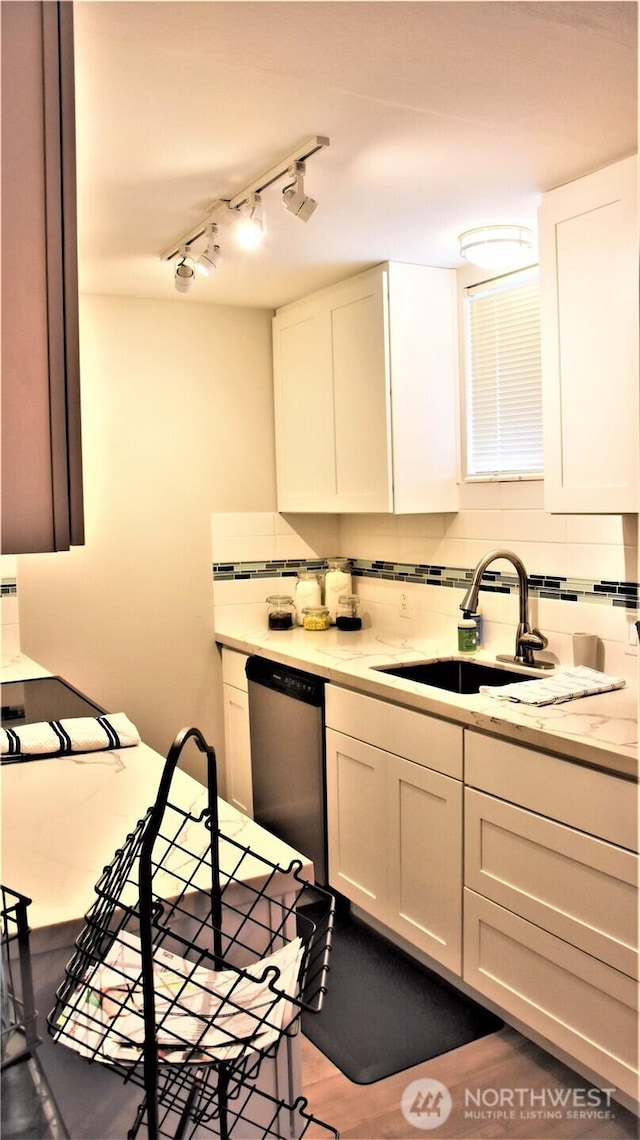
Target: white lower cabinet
<point>237,744</point>
<point>576,1002</point>
<point>356,821</point>
<point>550,902</point>
<point>395,824</point>
<point>424,859</point>
<point>574,885</point>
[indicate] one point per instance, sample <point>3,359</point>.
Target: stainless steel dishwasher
<point>286,719</point>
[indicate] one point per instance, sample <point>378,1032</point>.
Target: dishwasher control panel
<point>283,679</point>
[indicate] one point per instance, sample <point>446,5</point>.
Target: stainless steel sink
<point>456,676</point>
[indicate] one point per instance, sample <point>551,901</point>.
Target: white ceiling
<point>441,116</point>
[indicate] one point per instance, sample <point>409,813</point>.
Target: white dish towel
<point>568,685</point>
<point>68,737</point>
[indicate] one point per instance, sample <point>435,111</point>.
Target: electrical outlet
<point>631,648</point>
<point>406,608</point>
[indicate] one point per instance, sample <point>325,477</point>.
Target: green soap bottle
<point>467,633</point>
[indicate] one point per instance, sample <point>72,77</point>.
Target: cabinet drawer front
<point>416,736</point>
<point>592,801</point>
<point>233,664</point>
<point>577,887</point>
<point>576,1002</point>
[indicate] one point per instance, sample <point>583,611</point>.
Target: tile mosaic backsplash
<point>550,586</point>
<point>582,570</point>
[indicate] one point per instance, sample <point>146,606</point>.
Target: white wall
<point>177,423</point>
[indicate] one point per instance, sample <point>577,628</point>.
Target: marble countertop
<point>600,731</point>
<point>63,819</point>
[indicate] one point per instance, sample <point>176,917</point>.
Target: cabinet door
<point>41,451</point>
<point>356,821</point>
<point>331,391</point>
<point>237,749</point>
<point>361,385</point>
<point>589,307</point>
<point>424,852</point>
<point>304,409</point>
<point>395,844</point>
<point>423,338</point>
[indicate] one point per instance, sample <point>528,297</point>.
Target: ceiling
<point>441,116</point>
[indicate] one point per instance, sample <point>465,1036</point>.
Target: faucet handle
<point>533,639</point>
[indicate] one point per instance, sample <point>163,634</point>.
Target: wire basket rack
<point>197,957</point>
<point>28,1105</point>
<point>19,1018</point>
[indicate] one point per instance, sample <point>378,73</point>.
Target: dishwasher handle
<point>283,679</point>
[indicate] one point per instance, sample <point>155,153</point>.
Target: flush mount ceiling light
<point>294,199</point>
<point>210,256</point>
<point>184,274</point>
<point>244,207</point>
<point>250,226</point>
<point>497,247</point>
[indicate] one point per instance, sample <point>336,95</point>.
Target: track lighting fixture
<point>245,211</point>
<point>184,274</point>
<point>250,227</point>
<point>210,256</point>
<point>294,199</point>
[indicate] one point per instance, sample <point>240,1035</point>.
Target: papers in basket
<point>201,1015</point>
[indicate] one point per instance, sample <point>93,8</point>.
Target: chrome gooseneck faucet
<point>527,639</point>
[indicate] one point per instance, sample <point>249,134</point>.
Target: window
<point>503,377</point>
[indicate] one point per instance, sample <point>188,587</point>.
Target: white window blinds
<point>503,388</point>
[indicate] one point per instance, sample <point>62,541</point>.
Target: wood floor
<point>501,1065</point>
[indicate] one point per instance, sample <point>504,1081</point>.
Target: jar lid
<point>279,600</point>
<point>338,563</point>
<point>316,611</point>
<point>349,599</point>
<point>308,574</point>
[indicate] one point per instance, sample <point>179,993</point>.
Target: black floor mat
<point>384,1012</point>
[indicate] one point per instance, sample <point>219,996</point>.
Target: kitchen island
<point>63,820</point>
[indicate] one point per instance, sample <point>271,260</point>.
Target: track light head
<point>184,274</point>
<point>250,227</point>
<point>294,199</point>
<point>210,256</point>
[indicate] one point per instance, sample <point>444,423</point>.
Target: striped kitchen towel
<point>568,685</point>
<point>68,737</point>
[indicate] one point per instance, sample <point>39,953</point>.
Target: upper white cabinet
<point>365,379</point>
<point>589,296</point>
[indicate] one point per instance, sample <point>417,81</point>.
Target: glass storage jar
<point>337,581</point>
<point>307,591</point>
<point>315,617</point>
<point>348,613</point>
<point>280,611</point>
